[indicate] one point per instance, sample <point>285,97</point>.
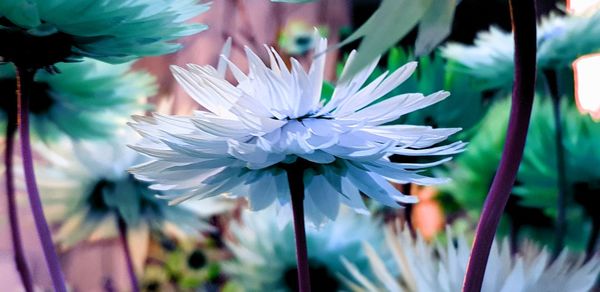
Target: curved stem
<point>128,259</point>
<point>524,28</point>
<point>295,180</point>
<point>24,85</point>
<point>561,202</point>
<point>13,216</point>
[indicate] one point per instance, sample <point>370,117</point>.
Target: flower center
<point>321,279</point>
<point>33,50</point>
<point>196,260</point>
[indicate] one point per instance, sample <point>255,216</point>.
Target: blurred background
<point>471,63</point>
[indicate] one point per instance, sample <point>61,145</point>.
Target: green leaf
<point>435,26</point>
<point>389,24</point>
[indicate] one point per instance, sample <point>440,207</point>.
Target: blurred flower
<point>265,256</point>
<point>561,39</point>
<point>441,267</point>
<point>182,265</point>
<point>88,191</point>
<point>44,32</point>
<point>87,100</point>
<point>296,38</point>
<point>274,119</point>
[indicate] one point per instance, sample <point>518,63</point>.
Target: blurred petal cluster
<point>441,267</point>
<point>109,30</point>
<point>88,191</point>
<point>560,40</point>
<point>265,256</point>
<point>88,99</point>
<point>274,119</point>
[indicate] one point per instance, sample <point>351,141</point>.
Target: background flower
<point>86,100</point>
<point>561,39</point>
<point>441,267</point>
<point>113,31</point>
<point>274,119</point>
<point>88,191</point>
<point>265,256</point>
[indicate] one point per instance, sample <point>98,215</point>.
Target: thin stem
<point>129,260</point>
<point>524,28</point>
<point>561,200</point>
<point>24,85</point>
<point>590,249</point>
<point>295,180</point>
<point>13,216</point>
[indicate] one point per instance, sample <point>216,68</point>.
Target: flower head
<point>560,40</point>
<point>441,267</point>
<point>273,119</point>
<point>265,256</point>
<point>87,100</point>
<point>44,32</point>
<point>88,190</point>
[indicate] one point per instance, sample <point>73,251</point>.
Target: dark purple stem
<point>295,180</point>
<point>135,286</point>
<point>524,28</point>
<point>24,85</point>
<point>13,216</point>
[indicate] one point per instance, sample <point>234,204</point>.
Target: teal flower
<point>87,100</point>
<point>560,40</point>
<point>87,190</point>
<point>531,210</point>
<point>441,267</point>
<point>44,32</point>
<point>265,258</point>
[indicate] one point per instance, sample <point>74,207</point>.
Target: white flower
<point>560,40</point>
<point>264,255</point>
<point>274,117</point>
<point>441,267</point>
<point>87,190</point>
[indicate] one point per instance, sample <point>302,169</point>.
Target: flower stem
<point>13,216</point>
<point>295,180</point>
<point>524,28</point>
<point>129,260</point>
<point>24,85</point>
<point>560,163</point>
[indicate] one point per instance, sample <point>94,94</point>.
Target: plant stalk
<point>561,202</point>
<point>295,180</point>
<point>135,286</point>
<point>524,32</point>
<point>13,216</point>
<point>24,86</point>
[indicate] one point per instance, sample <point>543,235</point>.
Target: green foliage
<point>536,188</point>
<point>393,20</point>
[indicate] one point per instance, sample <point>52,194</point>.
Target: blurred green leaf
<point>390,23</point>
<point>435,26</point>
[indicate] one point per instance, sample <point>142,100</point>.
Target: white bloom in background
<point>87,190</point>
<point>275,118</point>
<point>441,267</point>
<point>560,40</point>
<point>264,255</point>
